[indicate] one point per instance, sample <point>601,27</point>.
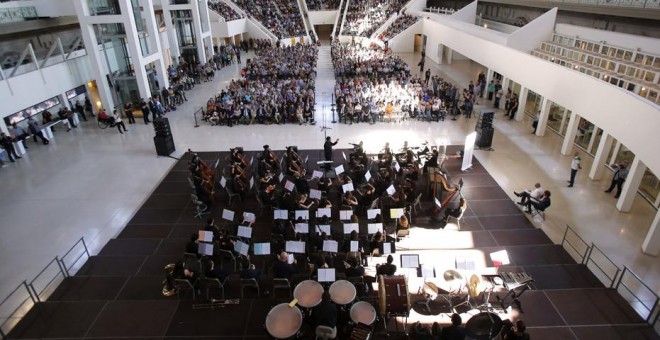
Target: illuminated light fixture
<point>643,88</point>
<point>90,84</point>
<point>98,103</point>
<point>575,67</point>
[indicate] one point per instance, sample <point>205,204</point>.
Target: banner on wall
<point>468,151</point>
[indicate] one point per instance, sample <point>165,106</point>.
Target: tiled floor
<point>90,182</point>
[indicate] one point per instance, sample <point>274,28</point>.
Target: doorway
<point>323,32</point>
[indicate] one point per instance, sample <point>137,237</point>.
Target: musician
<point>353,268</point>
<point>324,202</point>
<point>432,161</point>
<point>282,269</point>
<point>211,270</point>
<point>304,202</point>
<point>387,269</point>
<point>268,197</point>
<point>327,148</point>
<point>455,331</point>
<point>520,331</point>
<point>324,184</point>
<point>376,241</point>
<point>210,226</point>
<point>457,212</point>
<point>302,185</point>
<point>325,314</point>
<point>251,273</point>
<point>403,223</point>
<point>192,245</point>
<point>349,199</point>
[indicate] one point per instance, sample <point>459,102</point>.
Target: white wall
<point>405,41</point>
<point>323,17</point>
<point>224,29</point>
<point>630,41</point>
<point>630,119</point>
<point>531,35</point>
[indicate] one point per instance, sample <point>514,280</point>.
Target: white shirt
<point>537,193</point>
<point>575,163</point>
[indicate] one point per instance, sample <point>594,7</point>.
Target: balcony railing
<point>17,14</point>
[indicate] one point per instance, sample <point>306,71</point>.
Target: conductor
<point>327,148</point>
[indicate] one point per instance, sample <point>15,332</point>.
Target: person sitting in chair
<point>539,205</point>
<point>536,194</point>
<point>457,212</point>
<point>387,269</point>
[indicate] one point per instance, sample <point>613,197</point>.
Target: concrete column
<point>631,185</point>
<point>522,102</point>
<point>199,32</point>
<point>543,117</point>
<point>175,53</point>
<point>98,62</point>
<point>449,55</point>
<point>651,245</point>
<point>597,168</point>
<point>135,50</point>
<point>441,55</point>
<point>505,87</point>
<point>571,132</point>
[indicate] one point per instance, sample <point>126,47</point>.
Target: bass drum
<point>394,298</point>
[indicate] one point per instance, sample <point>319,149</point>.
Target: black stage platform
<point>117,293</point>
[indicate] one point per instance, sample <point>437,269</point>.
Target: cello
<point>206,173</point>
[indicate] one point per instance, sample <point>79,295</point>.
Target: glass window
<point>630,71</point>
<point>611,66</point>
<point>604,50</point>
<point>656,62</point>
<point>643,92</point>
<point>564,125</point>
<point>533,104</point>
<point>650,186</point>
<point>103,7</point>
<point>628,56</point>
<point>622,69</point>
<point>612,149</point>
<point>648,61</point>
<point>619,54</point>
<point>649,76</point>
<point>624,155</point>
<point>596,141</point>
<point>639,58</point>
<point>555,118</point>
<point>585,130</point>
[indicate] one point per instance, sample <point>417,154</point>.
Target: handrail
<point>589,259</point>
<point>85,251</point>
<point>61,271</point>
<point>612,3</point>
<point>566,240</point>
<point>18,306</point>
<point>640,301</point>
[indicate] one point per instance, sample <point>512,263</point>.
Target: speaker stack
<point>485,129</point>
<point>163,139</point>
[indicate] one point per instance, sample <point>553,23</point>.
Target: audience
<point>322,5</point>
<point>364,17</point>
<point>224,10</point>
<point>399,25</point>
<point>281,17</point>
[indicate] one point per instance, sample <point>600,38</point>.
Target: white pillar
<point>134,49</point>
<point>597,168</point>
<point>571,132</point>
<point>505,87</point>
<point>171,34</point>
<point>489,77</point>
<point>651,245</point>
<point>449,55</point>
<point>441,55</point>
<point>630,186</point>
<point>522,102</point>
<point>199,32</point>
<point>543,117</point>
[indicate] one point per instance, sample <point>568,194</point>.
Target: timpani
<point>363,312</point>
<point>342,292</point>
<point>283,322</point>
<point>308,293</point>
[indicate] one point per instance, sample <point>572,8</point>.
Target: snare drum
<point>363,312</point>
<point>283,322</point>
<point>308,293</point>
<point>393,295</point>
<point>342,292</point>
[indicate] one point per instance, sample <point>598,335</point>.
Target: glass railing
<point>613,3</point>
<point>17,14</point>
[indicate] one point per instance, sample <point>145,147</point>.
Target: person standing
<point>88,106</point>
<point>8,144</point>
<point>575,166</point>
<point>35,131</point>
<point>118,121</point>
<point>81,110</point>
<point>145,111</point>
<point>128,111</point>
<point>535,123</point>
<point>491,90</point>
<point>327,150</point>
<point>620,175</point>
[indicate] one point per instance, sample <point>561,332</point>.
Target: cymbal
<point>452,275</point>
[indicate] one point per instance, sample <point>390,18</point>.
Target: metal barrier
<point>578,248</point>
<point>601,261</point>
<point>49,279</point>
<point>84,250</point>
<point>642,298</point>
<point>11,307</point>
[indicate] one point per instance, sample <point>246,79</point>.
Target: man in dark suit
<point>282,268</point>
<point>387,269</point>
<point>455,331</point>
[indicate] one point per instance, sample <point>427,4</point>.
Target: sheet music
<point>205,236</point>
<point>437,203</point>
<point>387,248</point>
<point>289,185</point>
<point>290,259</point>
<point>349,227</point>
<point>397,166</point>
<point>343,155</point>
<point>302,228</point>
<point>326,275</point>
<point>464,263</point>
<point>367,176</point>
<point>241,248</point>
<point>409,261</point>
<point>323,228</point>
<point>355,246</point>
<point>302,213</point>
<point>427,271</point>
<point>317,174</point>
<point>371,213</point>
<point>223,181</point>
<point>280,214</point>
<point>348,187</point>
<point>295,247</point>
<point>281,177</point>
<point>205,249</point>
<point>396,213</point>
<point>251,182</point>
<point>330,246</point>
<point>315,194</point>
<point>339,170</point>
<point>345,215</point>
<point>373,228</point>
<point>391,190</point>
<point>262,248</point>
<point>244,231</point>
<point>249,217</point>
<point>227,215</point>
<point>323,212</point>
<point>500,258</point>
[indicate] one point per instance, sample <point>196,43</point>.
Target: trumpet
<point>215,303</point>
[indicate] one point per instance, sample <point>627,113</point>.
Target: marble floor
<point>90,182</point>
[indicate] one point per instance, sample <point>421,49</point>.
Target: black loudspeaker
<point>162,127</point>
<point>484,138</point>
<point>164,145</point>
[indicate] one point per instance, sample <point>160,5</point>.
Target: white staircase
<point>304,12</point>
<point>325,85</point>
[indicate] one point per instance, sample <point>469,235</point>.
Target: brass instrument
<point>216,303</point>
<point>168,284</point>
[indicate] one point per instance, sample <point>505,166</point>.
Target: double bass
<point>208,175</point>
